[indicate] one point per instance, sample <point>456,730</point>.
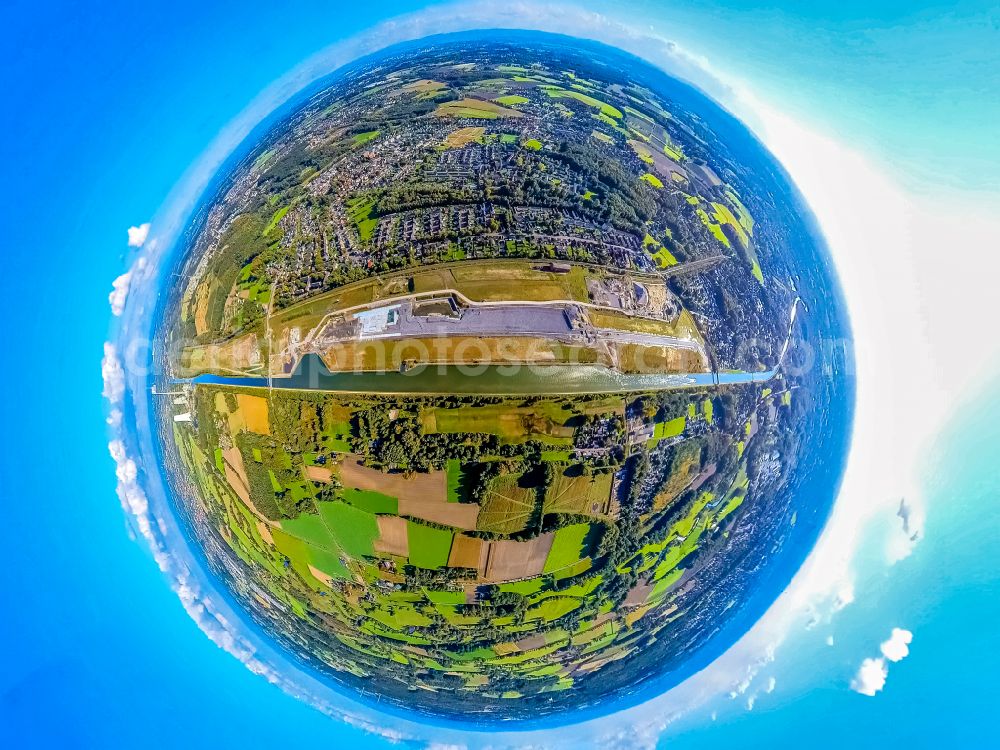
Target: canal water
<point>499,380</point>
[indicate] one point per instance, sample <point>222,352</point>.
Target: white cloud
<point>137,235</point>
<point>873,672</point>
<point>119,293</point>
<point>113,374</point>
<point>121,286</point>
<point>871,677</point>
<point>898,646</point>
<point>134,501</point>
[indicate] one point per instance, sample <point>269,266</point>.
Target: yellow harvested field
<point>686,326</point>
<point>500,281</point>
<point>233,419</point>
<point>465,552</point>
<point>265,532</point>
<point>493,282</point>
<point>644,359</point>
<point>432,280</point>
<point>393,539</point>
<point>620,321</point>
<point>233,459</point>
<point>320,576</point>
<point>255,414</point>
<point>462,136</point>
<point>474,108</point>
<point>635,615</point>
<point>202,295</point>
<point>425,86</point>
<point>238,484</point>
<point>507,560</point>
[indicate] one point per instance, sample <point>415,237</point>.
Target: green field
<point>301,554</point>
<point>450,598</point>
<point>511,100</point>
<point>526,587</point>
<point>556,456</point>
<point>362,138</point>
<point>567,547</point>
<point>371,501</point>
<point>310,528</point>
<point>664,258</point>
<point>359,210</point>
<point>724,216</point>
<point>557,92</point>
<point>543,422</point>
<point>278,216</point>
<point>353,529</point>
<point>670,428</point>
<point>454,470</point>
<point>553,608</point>
<point>653,180</point>
<point>429,547</point>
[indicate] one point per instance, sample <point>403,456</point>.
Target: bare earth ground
<point>421,495</point>
<point>393,538</point>
<point>465,552</point>
<point>506,560</point>
<point>319,474</point>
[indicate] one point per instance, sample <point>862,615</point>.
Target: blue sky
<point>106,107</point>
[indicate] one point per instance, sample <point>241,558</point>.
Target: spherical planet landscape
<point>502,375</point>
